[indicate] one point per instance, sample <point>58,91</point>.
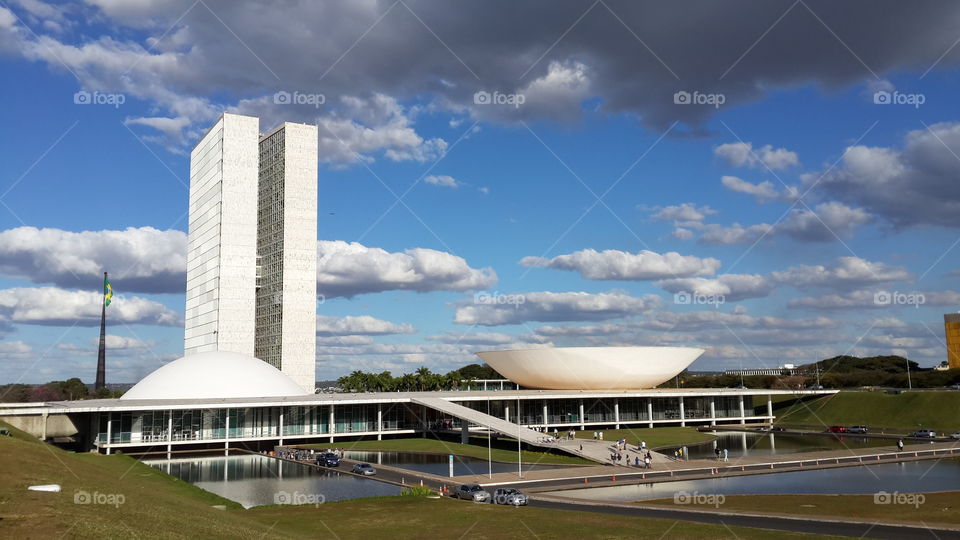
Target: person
<point>646,461</point>
<point>676,455</point>
<point>601,435</point>
<point>900,445</point>
<point>581,447</point>
<point>636,461</point>
<point>594,435</point>
<point>726,453</point>
<point>643,445</point>
<point>717,452</point>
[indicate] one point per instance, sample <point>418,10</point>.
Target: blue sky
<point>790,214</point>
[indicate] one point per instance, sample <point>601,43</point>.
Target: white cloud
<point>764,191</point>
<point>734,234</point>
<point>847,272</point>
<point>58,307</point>
<point>362,325</point>
<point>555,306</point>
<point>877,299</point>
<point>139,259</point>
<point>348,269</point>
<point>683,214</point>
<point>732,287</point>
<point>825,223</point>
<point>620,265</point>
<point>741,154</point>
<point>442,181</point>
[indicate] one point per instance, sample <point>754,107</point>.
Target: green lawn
<point>505,450</point>
<point>159,506</point>
<point>907,411</point>
<point>935,507</point>
<point>656,437</point>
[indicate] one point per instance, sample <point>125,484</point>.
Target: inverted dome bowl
<point>591,368</point>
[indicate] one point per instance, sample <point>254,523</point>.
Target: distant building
<point>784,370</point>
<point>252,245</point>
<point>951,324</point>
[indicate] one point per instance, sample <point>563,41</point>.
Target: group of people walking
<point>619,454</point>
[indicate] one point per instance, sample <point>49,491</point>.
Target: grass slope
<point>907,411</point>
<point>159,506</point>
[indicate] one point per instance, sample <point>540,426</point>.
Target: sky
<point>774,182</point>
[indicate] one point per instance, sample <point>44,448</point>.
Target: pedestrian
<point>726,454</point>
<point>636,461</point>
<point>717,452</point>
<point>594,435</point>
<point>581,447</point>
<point>646,461</point>
<point>676,455</point>
<point>900,445</point>
<point>601,435</point>
<point>643,445</point>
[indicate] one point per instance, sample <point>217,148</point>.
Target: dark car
<point>472,492</point>
<point>777,428</point>
<point>925,433</point>
<point>328,459</point>
<point>859,430</point>
<point>837,429</point>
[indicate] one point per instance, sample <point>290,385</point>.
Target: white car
<point>365,469</point>
<point>511,496</point>
<point>955,435</point>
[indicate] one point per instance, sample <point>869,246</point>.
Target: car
<point>860,430</point>
<point>925,433</point>
<point>365,469</point>
<point>954,387</point>
<point>511,496</point>
<point>815,387</point>
<point>955,435</point>
<point>328,459</point>
<point>777,428</point>
<point>472,492</point>
<point>837,429</point>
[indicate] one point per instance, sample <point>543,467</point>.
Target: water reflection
<point>909,477</point>
<point>254,480</point>
<point>439,464</point>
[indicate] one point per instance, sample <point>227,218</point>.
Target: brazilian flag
<point>107,291</point>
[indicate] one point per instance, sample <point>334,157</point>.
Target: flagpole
<point>102,352</point>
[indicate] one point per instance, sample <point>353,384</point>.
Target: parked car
<point>328,459</point>
<point>954,387</point>
<point>860,430</point>
<point>925,433</point>
<point>837,429</point>
<point>955,435</point>
<point>365,469</point>
<point>472,492</point>
<point>815,387</point>
<point>777,428</point>
<point>511,496</point>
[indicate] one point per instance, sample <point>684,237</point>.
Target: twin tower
<point>252,245</point>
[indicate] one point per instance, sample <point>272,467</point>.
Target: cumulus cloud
<point>442,181</point>
<point>764,191</point>
<point>824,223</point>
<point>847,272</point>
<point>362,325</point>
<point>683,214</point>
<point>877,299</point>
<point>51,306</point>
<point>620,265</point>
<point>734,234</point>
<point>741,154</point>
<point>908,186</point>
<point>732,287</point>
<point>555,306</point>
<point>139,259</point>
<point>349,268</point>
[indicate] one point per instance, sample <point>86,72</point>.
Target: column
<point>332,424</point>
<point>506,413</point>
<point>109,432</point>
<point>464,431</point>
<point>743,413</point>
<point>281,426</point>
<point>650,412</point>
<point>545,415</point>
<point>683,416</point>
<point>616,412</point>
<point>770,407</point>
<point>583,427</point>
<point>226,438</point>
<point>169,434</point>
<point>379,421</point>
<point>713,411</point>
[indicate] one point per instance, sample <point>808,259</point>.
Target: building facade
<point>951,324</point>
<point>286,306</point>
<point>252,245</point>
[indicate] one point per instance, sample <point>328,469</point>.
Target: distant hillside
<point>877,364</point>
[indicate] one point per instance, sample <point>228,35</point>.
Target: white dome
<point>214,375</point>
<point>591,368</point>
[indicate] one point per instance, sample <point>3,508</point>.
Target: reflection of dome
<point>215,374</point>
<point>591,368</point>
